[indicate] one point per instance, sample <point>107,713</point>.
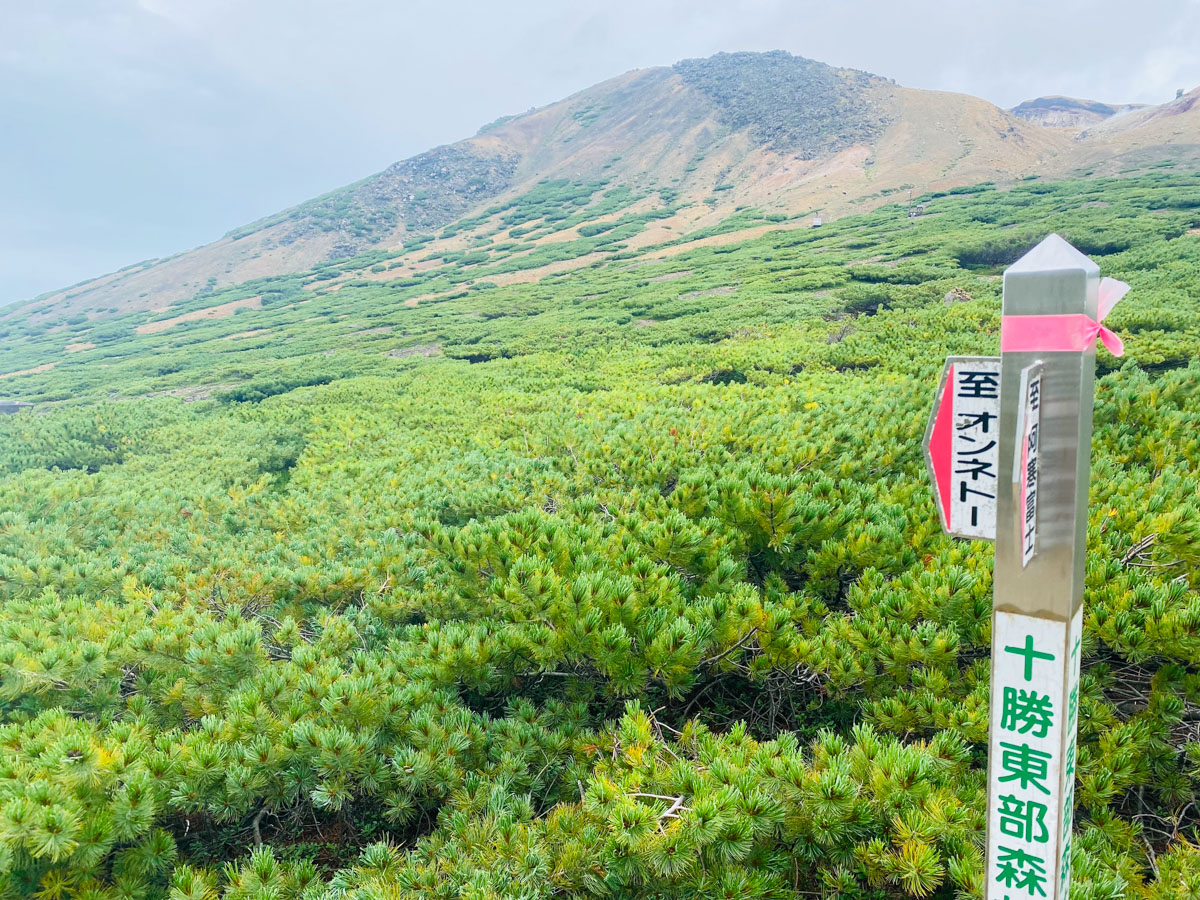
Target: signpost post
<point>1054,300</point>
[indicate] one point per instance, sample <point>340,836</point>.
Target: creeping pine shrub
<point>600,585</point>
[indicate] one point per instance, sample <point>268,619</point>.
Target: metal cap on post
<point>1053,279</point>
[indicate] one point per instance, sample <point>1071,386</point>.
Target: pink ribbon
<point>1067,333</point>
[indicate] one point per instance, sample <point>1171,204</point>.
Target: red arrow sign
<point>962,446</point>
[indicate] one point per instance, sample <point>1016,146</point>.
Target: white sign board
<point>962,446</point>
<point>1025,460</point>
<point>1031,775</point>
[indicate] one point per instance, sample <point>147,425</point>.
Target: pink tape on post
<point>1067,333</point>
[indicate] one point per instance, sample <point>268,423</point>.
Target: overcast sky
<point>132,129</point>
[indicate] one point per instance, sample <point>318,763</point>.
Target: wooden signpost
<point>1054,300</point>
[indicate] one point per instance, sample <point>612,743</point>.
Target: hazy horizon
<point>141,128</point>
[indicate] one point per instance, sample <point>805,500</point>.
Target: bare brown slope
<point>644,117</point>
<point>937,140</point>
<point>770,131</point>
<point>1169,132</point>
<point>644,128</point>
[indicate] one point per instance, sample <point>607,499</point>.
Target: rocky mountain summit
<point>717,144</point>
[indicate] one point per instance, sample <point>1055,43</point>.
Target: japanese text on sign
<point>962,446</point>
<point>1025,461</point>
<point>975,455</point>
<point>1031,787</point>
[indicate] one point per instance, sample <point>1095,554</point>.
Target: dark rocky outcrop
<point>424,193</point>
<point>788,102</point>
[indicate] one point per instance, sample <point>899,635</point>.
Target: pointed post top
<point>1051,279</point>
<point>1053,254</point>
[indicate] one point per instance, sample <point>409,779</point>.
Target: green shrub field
<point>626,582</point>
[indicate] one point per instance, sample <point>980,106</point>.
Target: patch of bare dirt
<point>720,240</point>
<point>524,276</point>
<point>44,367</point>
<point>220,311</point>
<point>78,346</point>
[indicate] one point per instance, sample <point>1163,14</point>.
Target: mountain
<point>733,142</point>
<point>1069,112</point>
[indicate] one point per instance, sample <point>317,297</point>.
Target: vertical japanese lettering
<point>1029,813</point>
<point>975,451</point>
<point>1025,463</point>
